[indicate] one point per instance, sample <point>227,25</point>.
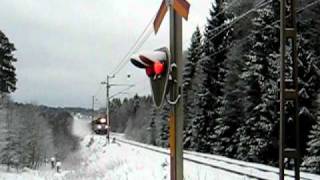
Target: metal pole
<point>176,115</point>
<point>107,100</point>
<point>288,84</point>
<point>92,108</point>
<point>282,77</point>
<point>108,110</point>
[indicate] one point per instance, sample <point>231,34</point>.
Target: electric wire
<point>229,25</point>
<point>135,50</point>
<point>224,10</point>
<point>246,39</point>
<point>123,60</point>
<point>120,92</point>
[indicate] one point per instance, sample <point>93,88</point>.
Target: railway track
<point>230,162</point>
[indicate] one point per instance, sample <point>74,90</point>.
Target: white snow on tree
<point>312,161</point>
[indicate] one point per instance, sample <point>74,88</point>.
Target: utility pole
<point>107,100</point>
<point>92,108</point>
<point>108,86</point>
<point>289,86</point>
<point>107,83</point>
<point>176,114</point>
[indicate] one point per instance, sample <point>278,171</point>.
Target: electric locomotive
<point>100,125</point>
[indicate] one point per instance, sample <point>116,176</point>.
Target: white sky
<point>65,48</point>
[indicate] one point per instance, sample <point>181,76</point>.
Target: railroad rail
<point>231,162</point>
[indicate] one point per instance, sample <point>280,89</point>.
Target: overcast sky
<point>65,48</point>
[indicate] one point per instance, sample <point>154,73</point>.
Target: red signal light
<point>150,71</point>
<point>158,67</point>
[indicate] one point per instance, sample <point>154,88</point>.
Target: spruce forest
<point>230,90</point>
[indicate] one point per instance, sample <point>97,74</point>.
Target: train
<point>101,125</point>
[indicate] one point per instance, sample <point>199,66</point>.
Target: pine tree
<point>7,70</point>
<point>232,111</point>
<point>152,127</point>
<point>11,154</point>
<point>257,141</point>
<point>193,56</point>
<point>190,84</point>
<point>212,66</point>
<point>163,137</point>
<point>312,162</point>
<point>308,70</point>
<point>309,88</point>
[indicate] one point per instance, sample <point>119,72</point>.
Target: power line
<point>227,26</point>
<point>120,92</point>
<point>98,91</point>
<point>261,5</point>
<point>126,60</point>
<point>133,47</point>
<point>308,6</point>
<point>246,39</point>
<point>234,2</point>
<point>258,5</point>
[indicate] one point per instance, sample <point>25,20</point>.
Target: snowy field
<point>122,161</point>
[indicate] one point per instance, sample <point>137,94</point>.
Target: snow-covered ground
<point>122,161</point>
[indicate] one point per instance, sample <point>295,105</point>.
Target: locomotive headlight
<point>106,126</point>
<point>103,120</point>
<point>99,126</point>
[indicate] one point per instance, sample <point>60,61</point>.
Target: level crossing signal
<point>157,67</point>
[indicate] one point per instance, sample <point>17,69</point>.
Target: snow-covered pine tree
<point>309,69</point>
<point>232,111</point>
<point>7,70</point>
<point>257,135</point>
<point>163,137</point>
<point>193,56</point>
<point>212,77</point>
<point>11,154</point>
<point>312,162</point>
<point>309,88</point>
<point>190,84</point>
<point>152,126</point>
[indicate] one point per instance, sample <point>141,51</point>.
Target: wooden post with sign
<point>178,9</point>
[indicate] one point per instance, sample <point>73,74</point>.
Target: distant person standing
<point>108,138</point>
<point>58,165</point>
<point>46,161</point>
<point>53,162</point>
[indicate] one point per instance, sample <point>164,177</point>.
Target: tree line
<point>231,77</point>
<point>32,134</point>
<point>29,134</point>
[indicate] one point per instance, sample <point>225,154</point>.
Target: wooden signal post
<point>176,115</point>
<point>177,9</point>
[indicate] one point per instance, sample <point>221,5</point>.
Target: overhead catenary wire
<point>122,91</point>
<point>229,25</point>
<point>234,2</point>
<point>98,91</point>
<point>225,9</point>
<point>308,6</point>
<point>260,5</point>
<point>133,47</point>
<point>135,50</point>
<point>298,12</point>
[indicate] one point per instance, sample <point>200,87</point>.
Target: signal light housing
<point>156,65</point>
